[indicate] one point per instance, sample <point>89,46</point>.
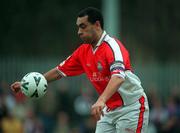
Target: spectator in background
<point>158,115</point>
<point>173,107</point>
<point>3,111</point>
<point>63,125</point>
<point>10,124</point>
<point>32,124</point>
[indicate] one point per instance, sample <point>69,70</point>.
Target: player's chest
<point>95,62</point>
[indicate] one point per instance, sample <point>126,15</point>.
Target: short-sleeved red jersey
<point>108,59</point>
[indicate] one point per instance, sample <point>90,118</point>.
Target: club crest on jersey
<point>99,66</point>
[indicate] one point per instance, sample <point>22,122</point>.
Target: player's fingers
<point>102,113</point>
<point>94,112</point>
<point>96,116</point>
<point>15,87</point>
<point>98,113</point>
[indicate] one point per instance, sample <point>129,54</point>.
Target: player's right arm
<point>52,75</point>
<point>69,67</point>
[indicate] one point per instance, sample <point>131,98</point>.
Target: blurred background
<point>36,35</point>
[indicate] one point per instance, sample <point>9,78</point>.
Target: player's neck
<point>97,38</point>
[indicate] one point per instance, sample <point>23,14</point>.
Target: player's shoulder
<point>107,38</point>
<point>112,41</point>
<point>109,41</point>
<point>83,47</point>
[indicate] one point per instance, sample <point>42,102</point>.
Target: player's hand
<point>16,86</point>
<point>97,109</point>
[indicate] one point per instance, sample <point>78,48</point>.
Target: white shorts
<point>131,118</point>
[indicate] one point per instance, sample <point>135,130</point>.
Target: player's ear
<point>97,23</point>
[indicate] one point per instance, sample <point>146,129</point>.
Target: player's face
<point>86,30</point>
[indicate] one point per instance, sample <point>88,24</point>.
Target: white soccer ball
<point>34,85</point>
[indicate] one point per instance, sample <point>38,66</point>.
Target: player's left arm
<point>117,68</point>
<point>111,88</point>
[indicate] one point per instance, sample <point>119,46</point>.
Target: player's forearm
<point>111,88</point>
<point>52,75</point>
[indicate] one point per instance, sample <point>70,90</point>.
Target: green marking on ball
<point>35,94</point>
<point>24,85</point>
<point>37,80</point>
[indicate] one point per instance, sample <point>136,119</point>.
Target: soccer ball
<point>34,85</point>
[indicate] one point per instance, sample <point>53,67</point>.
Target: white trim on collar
<point>100,40</point>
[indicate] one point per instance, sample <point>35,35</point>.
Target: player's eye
<point>82,26</point>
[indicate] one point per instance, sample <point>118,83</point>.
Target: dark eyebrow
<point>81,25</point>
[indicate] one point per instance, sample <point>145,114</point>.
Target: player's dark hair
<point>93,15</point>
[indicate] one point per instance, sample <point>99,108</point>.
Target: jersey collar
<point>101,39</point>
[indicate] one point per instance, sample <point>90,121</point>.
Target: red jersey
<point>109,58</point>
